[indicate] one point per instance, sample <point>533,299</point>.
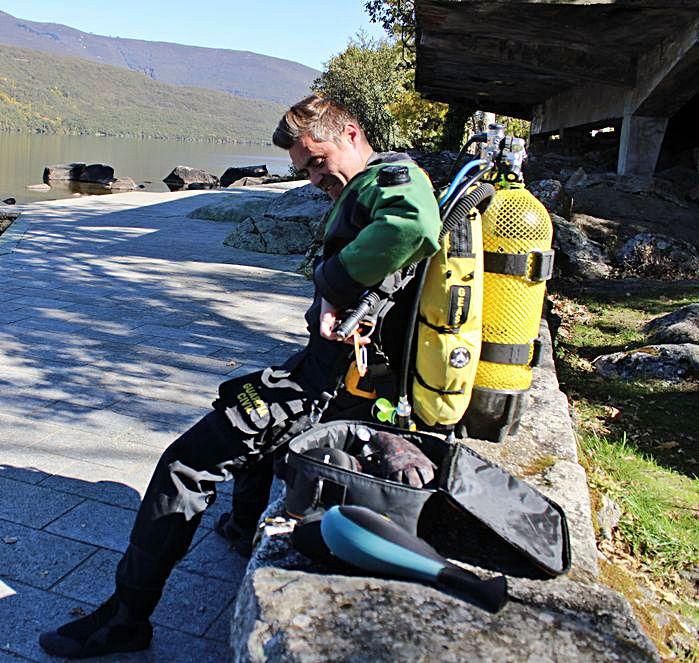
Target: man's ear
<point>352,132</point>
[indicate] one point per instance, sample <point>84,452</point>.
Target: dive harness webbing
<point>517,264</point>
<point>512,353</point>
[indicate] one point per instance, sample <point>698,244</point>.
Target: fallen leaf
<point>77,612</point>
<point>9,539</point>
<point>612,412</point>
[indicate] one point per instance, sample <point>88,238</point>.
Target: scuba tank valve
<point>491,147</point>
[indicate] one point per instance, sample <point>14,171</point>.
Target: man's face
<point>330,165</point>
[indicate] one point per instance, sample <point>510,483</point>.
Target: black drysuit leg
<point>253,416</point>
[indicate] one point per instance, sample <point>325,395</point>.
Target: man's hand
<point>329,317</point>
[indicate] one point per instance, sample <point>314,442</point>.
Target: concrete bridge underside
<point>570,66</point>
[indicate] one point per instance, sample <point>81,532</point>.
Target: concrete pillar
<point>639,144</point>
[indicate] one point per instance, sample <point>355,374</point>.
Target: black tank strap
<point>535,266</point>
<point>512,353</point>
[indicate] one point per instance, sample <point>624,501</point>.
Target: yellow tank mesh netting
<point>515,222</point>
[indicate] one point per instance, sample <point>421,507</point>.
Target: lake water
<point>24,156</point>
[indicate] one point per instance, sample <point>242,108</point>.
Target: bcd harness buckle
<point>539,268</point>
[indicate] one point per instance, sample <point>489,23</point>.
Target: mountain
<point>44,93</point>
<point>237,72</point>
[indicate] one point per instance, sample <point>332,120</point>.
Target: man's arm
<point>403,227</point>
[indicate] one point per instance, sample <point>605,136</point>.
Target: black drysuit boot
<point>109,629</point>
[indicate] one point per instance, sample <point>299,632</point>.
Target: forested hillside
<point>44,93</point>
<point>237,72</point>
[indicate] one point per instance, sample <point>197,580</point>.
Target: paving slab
<point>96,523</point>
<point>120,318</point>
<point>25,612</point>
<point>25,474</point>
<point>220,630</point>
<point>33,506</point>
<point>214,558</point>
<point>191,602</point>
<point>37,558</point>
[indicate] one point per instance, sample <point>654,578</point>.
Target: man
<point>384,219</point>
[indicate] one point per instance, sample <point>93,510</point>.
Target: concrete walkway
<point>119,317</point>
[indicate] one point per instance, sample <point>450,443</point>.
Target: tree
<point>397,18</point>
<point>365,79</point>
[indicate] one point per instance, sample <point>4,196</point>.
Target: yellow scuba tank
<point>449,327</point>
<point>517,234</point>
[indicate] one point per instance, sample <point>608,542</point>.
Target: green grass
<point>660,507</point>
<point>638,443</point>
<point>658,419</point>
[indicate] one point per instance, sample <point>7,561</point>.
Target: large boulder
<point>287,226</point>
<point>98,174</point>
<point>266,235</point>
<point>552,195</point>
<point>236,206</point>
<point>63,172</point>
<point>658,256</point>
<point>576,253</point>
<point>680,326</point>
<point>303,204</point>
<point>673,362</point>
<point>236,173</point>
<point>184,177</point>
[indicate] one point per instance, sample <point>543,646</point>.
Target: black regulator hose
<point>461,190</point>
<point>480,198</point>
<point>476,138</point>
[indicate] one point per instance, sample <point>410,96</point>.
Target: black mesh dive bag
<point>473,509</point>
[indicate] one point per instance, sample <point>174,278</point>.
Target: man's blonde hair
<point>321,118</point>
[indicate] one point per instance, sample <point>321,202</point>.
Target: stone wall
<point>290,609</point>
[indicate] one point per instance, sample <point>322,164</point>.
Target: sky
<point>299,30</point>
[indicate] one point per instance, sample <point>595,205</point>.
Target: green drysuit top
<point>376,228</point>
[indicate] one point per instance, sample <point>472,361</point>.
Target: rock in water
<point>233,174</point>
<point>184,177</point>
<point>63,172</point>
<point>97,173</point>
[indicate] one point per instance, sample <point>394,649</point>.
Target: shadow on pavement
<point>60,541</point>
<point>134,308</point>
